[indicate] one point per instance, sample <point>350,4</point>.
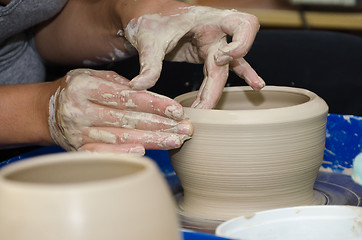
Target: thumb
<point>151,58</point>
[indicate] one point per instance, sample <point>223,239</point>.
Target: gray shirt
<point>19,61</point>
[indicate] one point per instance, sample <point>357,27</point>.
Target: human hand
<point>98,111</point>
<point>195,35</point>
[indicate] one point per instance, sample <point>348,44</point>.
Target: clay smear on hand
<point>197,35</point>
<point>95,110</point>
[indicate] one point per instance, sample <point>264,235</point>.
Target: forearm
<point>90,31</point>
<point>84,31</point>
<point>24,114</point>
<point>129,10</point>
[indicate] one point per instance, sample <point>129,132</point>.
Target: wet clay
<point>257,150</point>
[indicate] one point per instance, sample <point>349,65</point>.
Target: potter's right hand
<point>195,34</point>
<point>98,111</point>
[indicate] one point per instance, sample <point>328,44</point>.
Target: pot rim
<point>314,107</point>
<point>147,169</point>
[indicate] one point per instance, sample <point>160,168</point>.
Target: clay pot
<point>86,196</point>
<point>256,150</point>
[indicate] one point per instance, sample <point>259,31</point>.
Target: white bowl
<point>307,223</point>
<point>86,196</point>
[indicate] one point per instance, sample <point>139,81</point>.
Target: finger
<point>245,71</point>
<point>243,29</point>
<point>117,148</point>
<point>213,84</point>
<point>111,76</point>
<point>151,56</point>
<point>106,75</point>
<point>148,139</point>
<point>119,96</point>
<point>137,101</point>
<point>107,117</point>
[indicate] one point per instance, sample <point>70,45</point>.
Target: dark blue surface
<point>34,153</point>
<point>343,142</point>
<point>200,236</point>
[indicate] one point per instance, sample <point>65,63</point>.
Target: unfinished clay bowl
<point>256,150</point>
<point>86,196</point>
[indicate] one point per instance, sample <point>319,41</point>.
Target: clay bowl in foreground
<point>86,196</point>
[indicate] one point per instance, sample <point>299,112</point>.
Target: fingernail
<point>185,138</point>
<point>185,128</point>
<point>137,150</point>
<point>256,84</point>
<point>138,83</point>
<point>175,112</point>
<point>222,60</point>
<point>145,80</point>
<point>134,85</point>
<point>261,83</point>
<point>196,103</point>
<point>173,141</point>
<point>206,104</point>
<point>230,47</point>
<point>181,128</point>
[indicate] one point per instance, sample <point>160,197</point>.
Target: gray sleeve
<point>20,15</point>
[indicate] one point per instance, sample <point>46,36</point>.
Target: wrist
<point>24,114</point>
<point>46,91</point>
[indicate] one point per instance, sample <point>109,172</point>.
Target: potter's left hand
<point>97,111</point>
<point>195,35</point>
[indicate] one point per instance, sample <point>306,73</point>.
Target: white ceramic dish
<point>357,169</point>
<point>307,223</point>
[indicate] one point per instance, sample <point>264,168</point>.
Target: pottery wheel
<point>329,189</point>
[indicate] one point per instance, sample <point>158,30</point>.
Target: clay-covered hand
<point>197,35</point>
<point>98,111</point>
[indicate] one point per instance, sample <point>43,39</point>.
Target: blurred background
<point>339,15</point>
